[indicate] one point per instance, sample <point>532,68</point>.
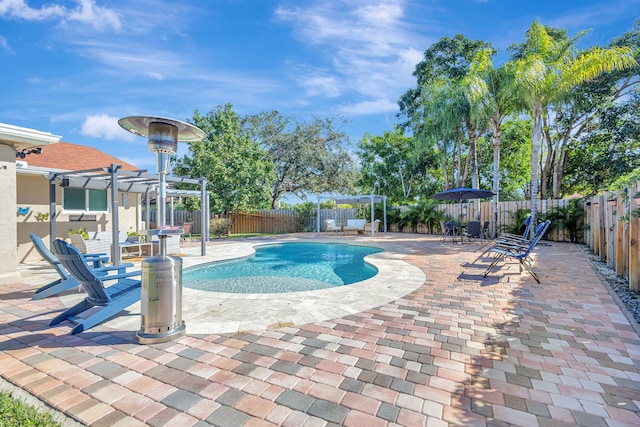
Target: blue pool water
<point>285,267</point>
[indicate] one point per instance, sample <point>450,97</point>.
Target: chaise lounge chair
<point>66,281</point>
<point>518,252</point>
<point>107,300</point>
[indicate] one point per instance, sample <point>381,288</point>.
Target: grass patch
<point>16,413</point>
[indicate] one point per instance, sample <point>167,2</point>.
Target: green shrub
<point>219,227</point>
<point>306,212</point>
<point>568,218</point>
<point>424,212</point>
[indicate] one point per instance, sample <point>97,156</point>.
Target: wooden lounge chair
<point>107,300</point>
<point>66,281</point>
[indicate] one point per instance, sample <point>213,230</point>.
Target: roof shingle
<point>67,156</point>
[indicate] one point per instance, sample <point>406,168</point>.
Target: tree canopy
<point>307,157</point>
<point>237,170</point>
<point>549,121</point>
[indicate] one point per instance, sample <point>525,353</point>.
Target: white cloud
<point>322,86</point>
<point>4,45</point>
<point>371,50</point>
<point>107,127</point>
<point>375,106</point>
<point>98,17</point>
<point>86,12</point>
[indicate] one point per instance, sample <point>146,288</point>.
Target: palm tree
<point>545,69</point>
<point>439,119</point>
<point>488,91</point>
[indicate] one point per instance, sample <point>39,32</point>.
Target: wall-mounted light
<point>23,153</point>
<point>64,182</point>
<point>125,200</point>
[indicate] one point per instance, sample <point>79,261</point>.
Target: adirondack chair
<point>518,252</point>
<point>66,280</point>
<point>108,300</point>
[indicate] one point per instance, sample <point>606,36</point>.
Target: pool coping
<point>207,312</point>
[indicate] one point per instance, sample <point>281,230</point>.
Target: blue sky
<point>73,68</point>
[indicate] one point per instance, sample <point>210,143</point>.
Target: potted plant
<point>81,231</point>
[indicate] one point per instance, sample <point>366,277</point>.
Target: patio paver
<point>459,349</point>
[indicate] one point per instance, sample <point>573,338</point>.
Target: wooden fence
<point>612,231</point>
<point>507,214</point>
<point>288,221</point>
<point>275,221</point>
<point>611,226</point>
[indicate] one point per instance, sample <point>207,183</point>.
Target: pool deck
<point>427,342</point>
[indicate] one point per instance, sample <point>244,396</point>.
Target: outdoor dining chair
<point>485,230</point>
<point>448,229</point>
<point>107,301</point>
<point>473,230</point>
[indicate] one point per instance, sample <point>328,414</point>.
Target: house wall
<point>33,192</point>
<point>8,249</point>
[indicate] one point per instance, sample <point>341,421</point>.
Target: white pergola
<point>359,198</point>
<point>117,179</point>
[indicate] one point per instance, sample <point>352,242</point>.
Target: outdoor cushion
<point>355,224</point>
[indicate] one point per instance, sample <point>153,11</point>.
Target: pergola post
<point>52,209</point>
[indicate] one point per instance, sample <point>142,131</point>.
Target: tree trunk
<point>496,140</point>
<point>548,159</point>
<point>473,155</point>
<point>536,137</point>
<point>445,168</point>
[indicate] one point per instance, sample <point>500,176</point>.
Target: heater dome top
<point>139,125</point>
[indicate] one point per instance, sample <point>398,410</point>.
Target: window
<point>76,199</point>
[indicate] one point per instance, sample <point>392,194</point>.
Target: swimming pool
<point>285,267</point>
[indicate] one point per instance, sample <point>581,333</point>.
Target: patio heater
<point>161,294</point>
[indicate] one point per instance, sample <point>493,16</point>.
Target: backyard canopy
<point>359,198</point>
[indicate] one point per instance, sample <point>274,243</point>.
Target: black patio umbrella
<point>462,193</point>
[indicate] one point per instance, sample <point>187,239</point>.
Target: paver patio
<point>459,350</point>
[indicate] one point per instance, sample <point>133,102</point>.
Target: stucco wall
<point>33,192</point>
<point>8,250</point>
